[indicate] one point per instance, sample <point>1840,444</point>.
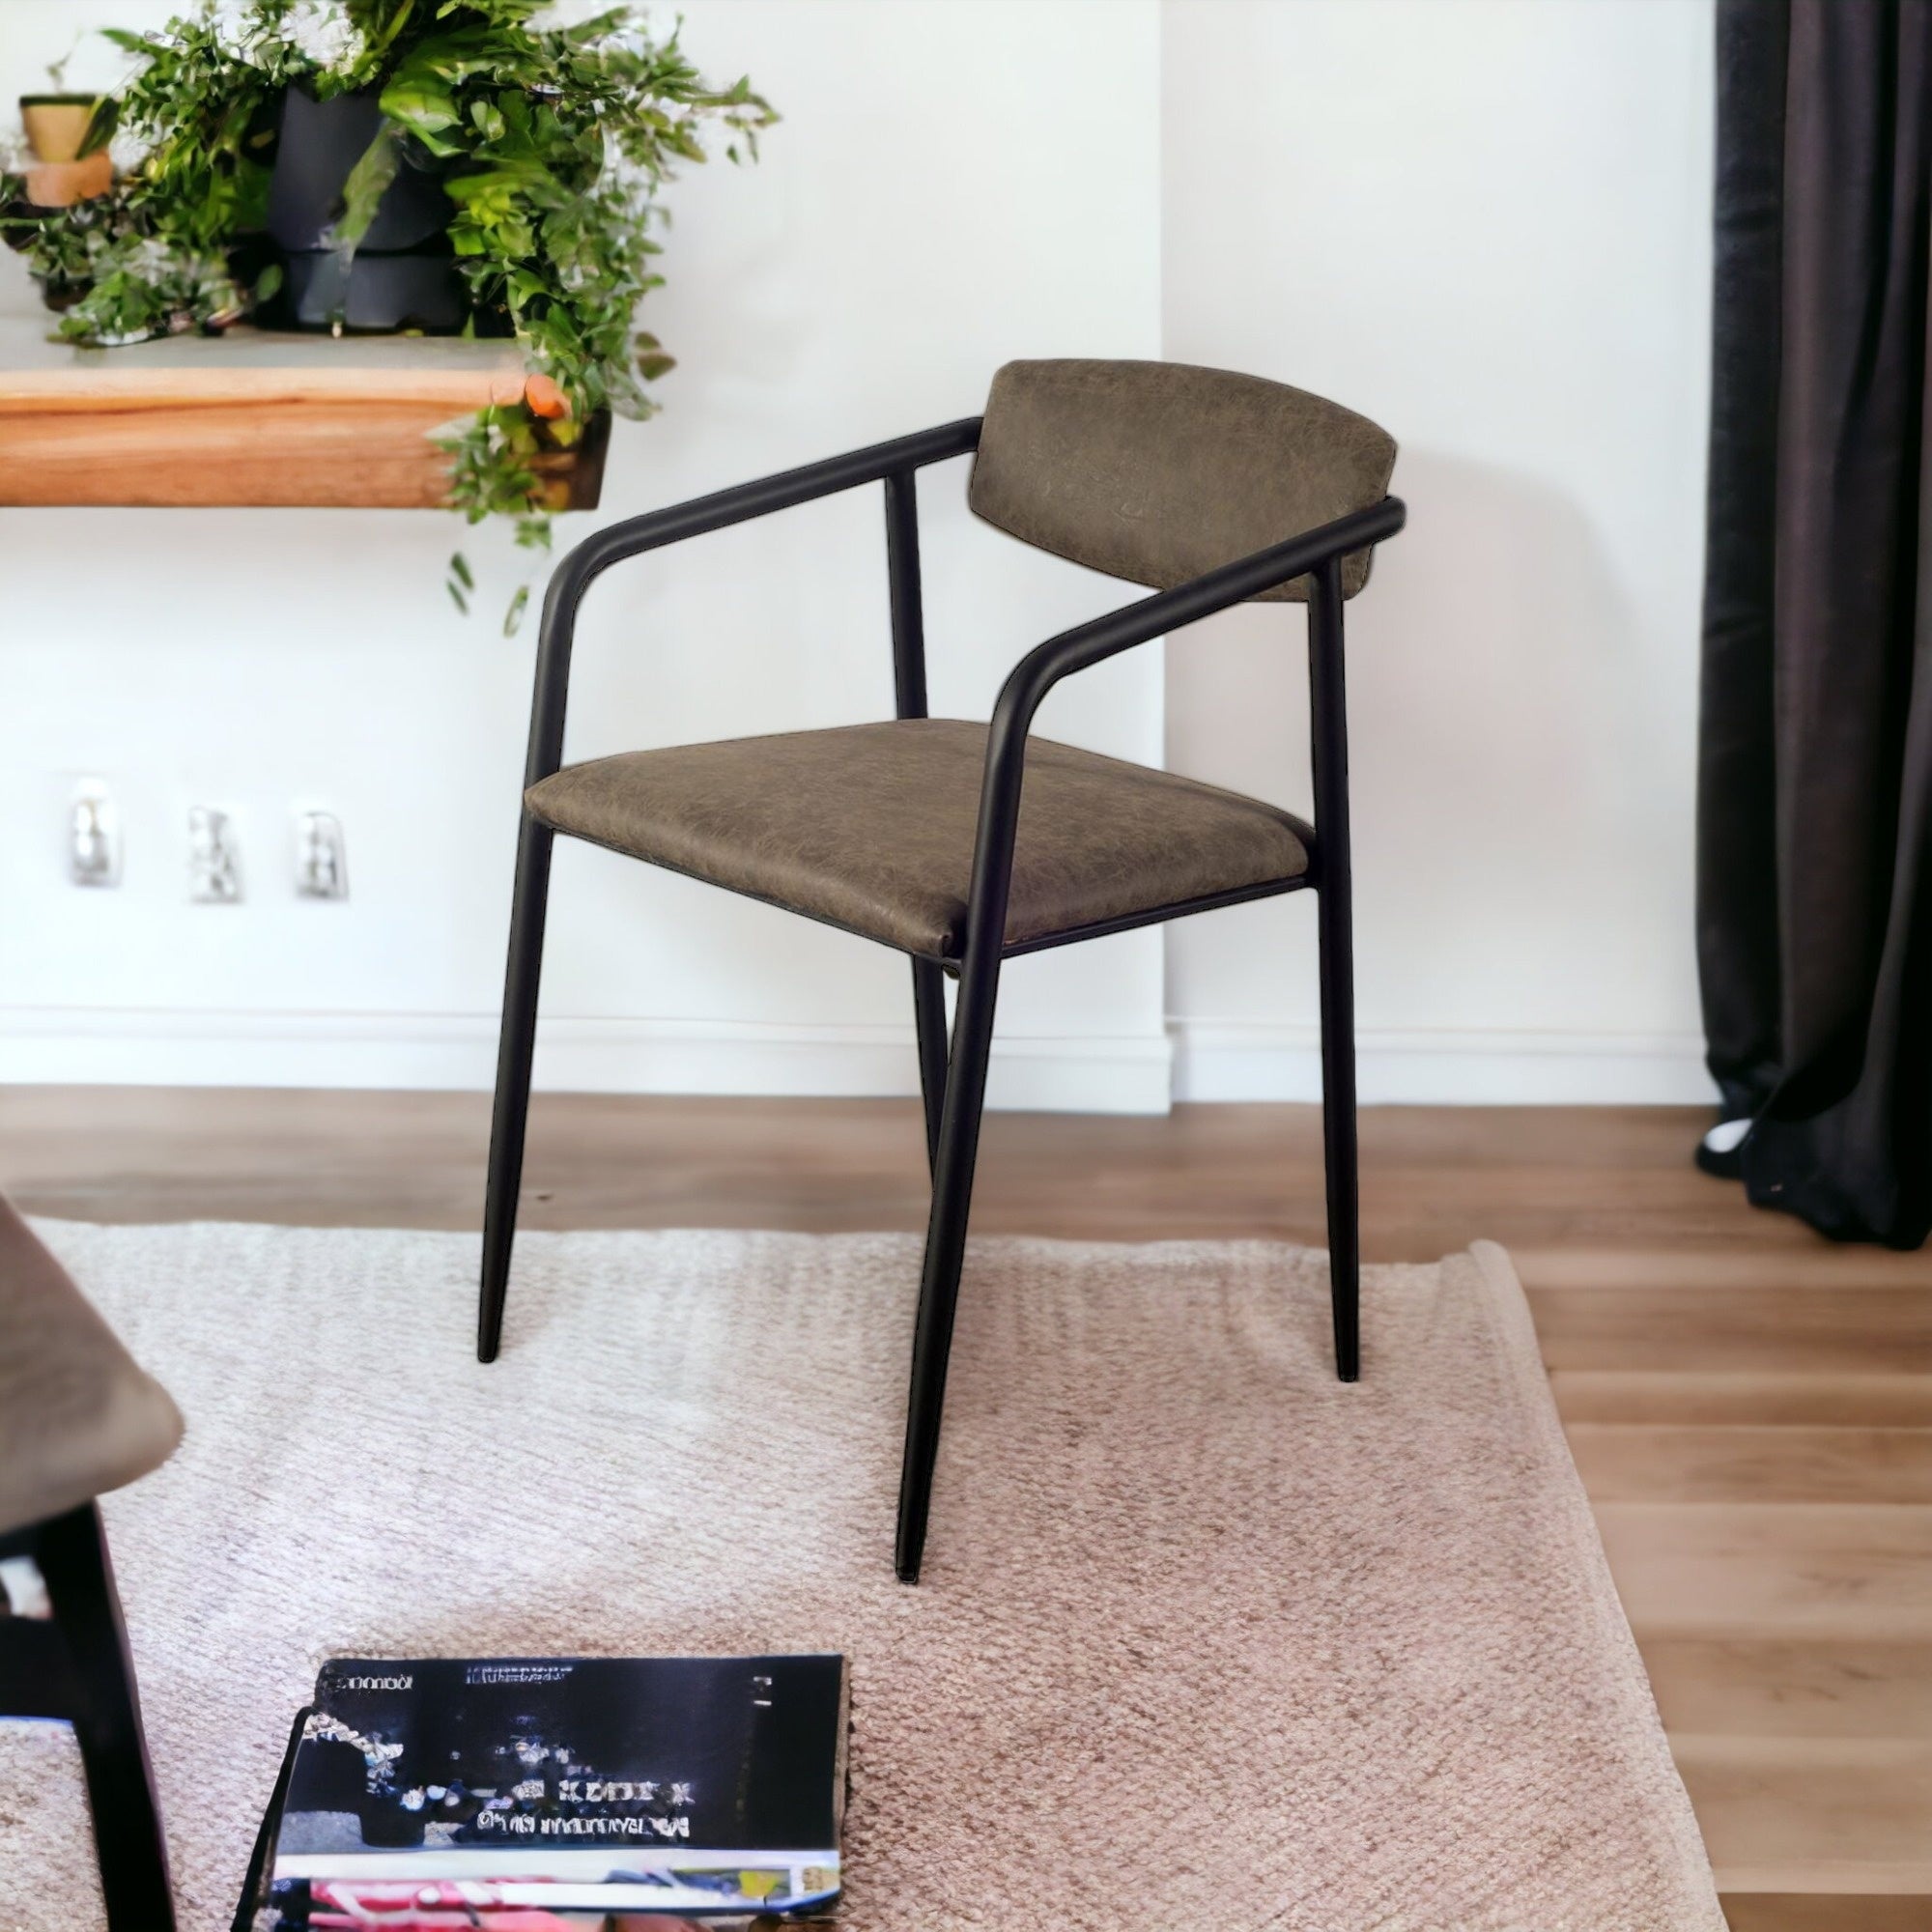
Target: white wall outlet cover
<point>94,836</point>
<point>24,1590</point>
<point>322,858</point>
<point>214,859</point>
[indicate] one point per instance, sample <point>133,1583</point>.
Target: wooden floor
<point>1751,1406</point>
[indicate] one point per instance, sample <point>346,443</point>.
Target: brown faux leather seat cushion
<point>76,1415</point>
<point>871,827</point>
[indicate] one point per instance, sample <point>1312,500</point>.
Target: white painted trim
<point>1200,1060</point>
<point>1126,1075</point>
<point>1239,1059</point>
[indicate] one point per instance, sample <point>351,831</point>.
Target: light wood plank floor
<point>1751,1406</point>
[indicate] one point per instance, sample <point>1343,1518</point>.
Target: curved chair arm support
<point>1140,623</point>
<point>1317,550</point>
<point>596,554</point>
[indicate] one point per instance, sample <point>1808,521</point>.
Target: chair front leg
<point>71,1553</point>
<point>515,1048</point>
<point>958,1147</point>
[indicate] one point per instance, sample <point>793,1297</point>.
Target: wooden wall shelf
<point>252,419</point>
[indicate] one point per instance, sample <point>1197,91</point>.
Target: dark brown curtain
<point>1814,890</point>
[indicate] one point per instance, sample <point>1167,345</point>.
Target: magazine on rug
<point>522,1793</point>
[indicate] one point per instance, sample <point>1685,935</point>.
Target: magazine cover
<point>522,1793</point>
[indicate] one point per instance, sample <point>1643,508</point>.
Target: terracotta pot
<point>56,123</point>
<point>62,183</point>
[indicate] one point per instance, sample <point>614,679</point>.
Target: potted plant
<point>60,169</point>
<point>360,223</point>
<point>481,165</point>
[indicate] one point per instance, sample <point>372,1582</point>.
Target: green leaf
<point>364,191</point>
<point>458,568</point>
<point>268,282</point>
<point>386,34</point>
<point>513,617</point>
<point>422,104</point>
<point>587,32</point>
<point>101,126</point>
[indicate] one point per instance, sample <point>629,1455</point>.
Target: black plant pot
<point>403,273</point>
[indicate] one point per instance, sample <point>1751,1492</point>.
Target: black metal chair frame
<point>75,1665</point>
<point>953,1084</point>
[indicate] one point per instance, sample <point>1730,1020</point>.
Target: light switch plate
<point>214,859</point>
<point>94,836</point>
<point>321,858</point>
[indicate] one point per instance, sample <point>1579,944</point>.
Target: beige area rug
<point>1207,1640</point>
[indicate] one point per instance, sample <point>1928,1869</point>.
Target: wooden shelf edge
<point>252,419</point>
<point>256,421</point>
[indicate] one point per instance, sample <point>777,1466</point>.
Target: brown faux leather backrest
<point>1157,471</point>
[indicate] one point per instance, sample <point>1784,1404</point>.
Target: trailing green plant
<point>552,138</point>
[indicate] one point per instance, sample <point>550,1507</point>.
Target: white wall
<point>954,184</point>
<point>1484,223</point>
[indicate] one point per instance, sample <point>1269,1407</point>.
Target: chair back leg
<point>516,1045</point>
<point>1337,1125</point>
<point>928,1012</point>
<point>71,1553</point>
<point>1328,718</point>
<point>945,1250</point>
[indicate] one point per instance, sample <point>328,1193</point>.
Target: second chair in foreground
<point>963,845</point>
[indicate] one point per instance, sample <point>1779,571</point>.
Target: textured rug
<point>1206,1639</point>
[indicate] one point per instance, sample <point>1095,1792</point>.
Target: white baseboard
<point>1235,1059</point>
<point>1127,1074</point>
<point>1198,1059</point>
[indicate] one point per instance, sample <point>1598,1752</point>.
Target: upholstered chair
<point>963,845</point>
<point>77,1418</point>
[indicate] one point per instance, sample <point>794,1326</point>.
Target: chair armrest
<point>1043,667</point>
<point>743,502</point>
<point>1319,550</point>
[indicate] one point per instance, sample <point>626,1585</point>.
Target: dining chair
<point>77,1417</point>
<point>965,845</point>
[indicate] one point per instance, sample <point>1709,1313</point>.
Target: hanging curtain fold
<point>1814,891</point>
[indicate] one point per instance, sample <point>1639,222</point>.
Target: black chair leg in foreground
<point>105,1711</point>
<point>76,1667</point>
<point>77,1417</point>
<point>910,833</point>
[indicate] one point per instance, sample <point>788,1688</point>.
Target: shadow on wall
<point>1496,661</point>
<point>1506,742</point>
